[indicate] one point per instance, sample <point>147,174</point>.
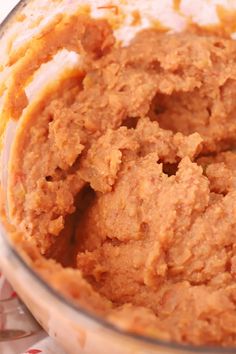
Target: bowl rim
<point>92,316</point>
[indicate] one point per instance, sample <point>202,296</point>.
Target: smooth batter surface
<point>120,176</point>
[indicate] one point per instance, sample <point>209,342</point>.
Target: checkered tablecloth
<point>39,342</point>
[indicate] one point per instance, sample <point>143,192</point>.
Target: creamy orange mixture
<point>123,182</point>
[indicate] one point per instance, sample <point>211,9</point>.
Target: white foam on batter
<point>120,13</point>
<point>204,12</point>
<point>52,71</point>
<point>150,12</point>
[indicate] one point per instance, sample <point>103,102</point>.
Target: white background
<point>6,6</point>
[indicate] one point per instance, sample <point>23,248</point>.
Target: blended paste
<point>123,183</point>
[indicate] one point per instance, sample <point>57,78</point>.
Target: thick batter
<point>120,177</point>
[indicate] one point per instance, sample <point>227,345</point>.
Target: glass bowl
<point>73,327</point>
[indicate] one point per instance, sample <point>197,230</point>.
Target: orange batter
<point>111,179</point>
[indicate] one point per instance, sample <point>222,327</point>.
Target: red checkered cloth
<point>34,344</point>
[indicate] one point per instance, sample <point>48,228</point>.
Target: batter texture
<point>123,183</point>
